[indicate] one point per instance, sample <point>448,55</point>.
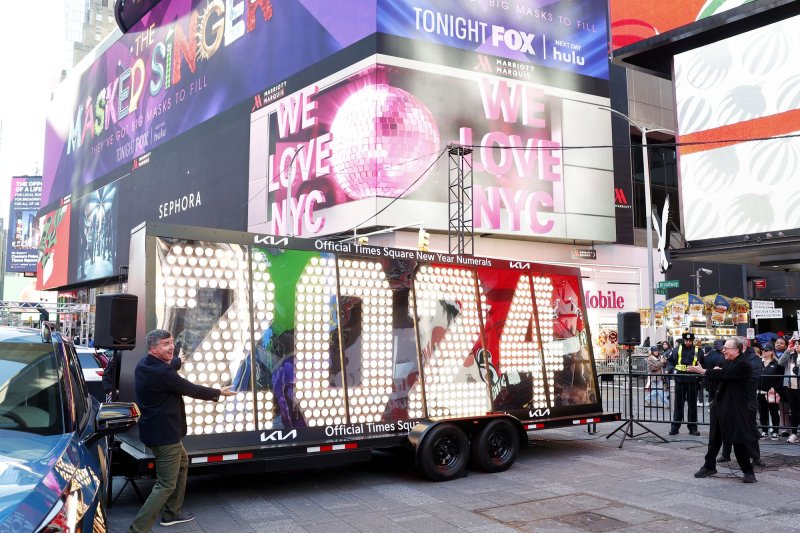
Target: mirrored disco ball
<point>383,138</point>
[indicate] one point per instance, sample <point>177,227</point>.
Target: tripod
<point>628,426</point>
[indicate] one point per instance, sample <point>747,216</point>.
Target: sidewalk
<point>565,481</point>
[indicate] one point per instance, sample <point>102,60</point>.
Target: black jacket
<point>688,356</point>
<point>772,377</point>
<point>159,393</point>
<point>730,405</point>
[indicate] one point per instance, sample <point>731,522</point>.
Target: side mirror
<point>114,417</point>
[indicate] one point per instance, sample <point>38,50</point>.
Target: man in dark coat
<point>682,356</point>
<point>714,358</point>
<point>159,393</point>
<point>730,413</point>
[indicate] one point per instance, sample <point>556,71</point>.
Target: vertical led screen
<point>373,135</point>
<point>633,20</point>
<point>53,262</point>
<point>727,94</point>
<point>184,62</point>
<point>337,340</point>
<point>23,225</point>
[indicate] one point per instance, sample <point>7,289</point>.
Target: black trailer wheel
<point>495,447</point>
<point>444,453</point>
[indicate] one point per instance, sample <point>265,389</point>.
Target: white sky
<point>32,53</point>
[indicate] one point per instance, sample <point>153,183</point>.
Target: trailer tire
<point>496,446</point>
<point>444,452</point>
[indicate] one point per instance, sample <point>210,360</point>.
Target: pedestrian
<point>162,425</point>
<point>730,412</point>
<point>682,356</point>
<point>768,395</point>
<point>791,387</point>
<point>780,349</point>
<point>655,382</point>
<point>757,367</point>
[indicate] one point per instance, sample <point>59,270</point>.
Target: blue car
<point>53,451</point>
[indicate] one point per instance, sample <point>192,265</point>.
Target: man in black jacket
<point>730,414</point>
<point>682,356</point>
<point>159,393</point>
<point>753,449</point>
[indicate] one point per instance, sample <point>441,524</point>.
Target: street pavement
<point>564,481</point>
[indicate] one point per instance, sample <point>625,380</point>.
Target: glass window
<point>663,181</point>
<point>79,393</point>
<point>30,399</point>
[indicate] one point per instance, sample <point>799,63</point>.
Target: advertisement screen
<point>183,63</point>
<point>529,35</point>
<point>727,94</point>
<point>197,179</point>
<point>53,262</point>
<point>24,230</point>
<point>633,20</point>
<point>372,139</point>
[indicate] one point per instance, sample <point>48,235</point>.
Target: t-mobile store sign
<point>604,300</point>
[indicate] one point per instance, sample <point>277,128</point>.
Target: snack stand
<point>709,317</point>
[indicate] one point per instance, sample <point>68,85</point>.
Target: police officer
<point>682,356</point>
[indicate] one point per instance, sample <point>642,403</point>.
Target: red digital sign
<point>633,21</point>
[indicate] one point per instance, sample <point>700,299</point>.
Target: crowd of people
<point>775,382</point>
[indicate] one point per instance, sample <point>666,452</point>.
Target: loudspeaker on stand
<point>629,329</point>
<point>115,321</point>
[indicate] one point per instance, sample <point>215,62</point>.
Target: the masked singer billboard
<point>367,146</point>
<point>183,63</point>
<point>23,225</point>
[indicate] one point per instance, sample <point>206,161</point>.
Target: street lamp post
<point>648,213</point>
<point>697,274</point>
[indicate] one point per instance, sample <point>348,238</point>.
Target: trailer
<point>337,349</point>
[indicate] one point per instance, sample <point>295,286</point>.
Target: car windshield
<point>30,398</point>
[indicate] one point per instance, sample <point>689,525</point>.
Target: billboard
<point>633,20</point>
<point>531,37</point>
<point>53,261</point>
<point>23,224</point>
<point>197,178</point>
<point>183,63</point>
<point>367,146</point>
<point>737,105</point>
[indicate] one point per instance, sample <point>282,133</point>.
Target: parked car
<point>53,454</point>
<point>93,363</point>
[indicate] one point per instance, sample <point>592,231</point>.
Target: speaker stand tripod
<point>627,426</point>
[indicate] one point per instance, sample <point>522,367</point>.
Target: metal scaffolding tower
<point>460,230</point>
